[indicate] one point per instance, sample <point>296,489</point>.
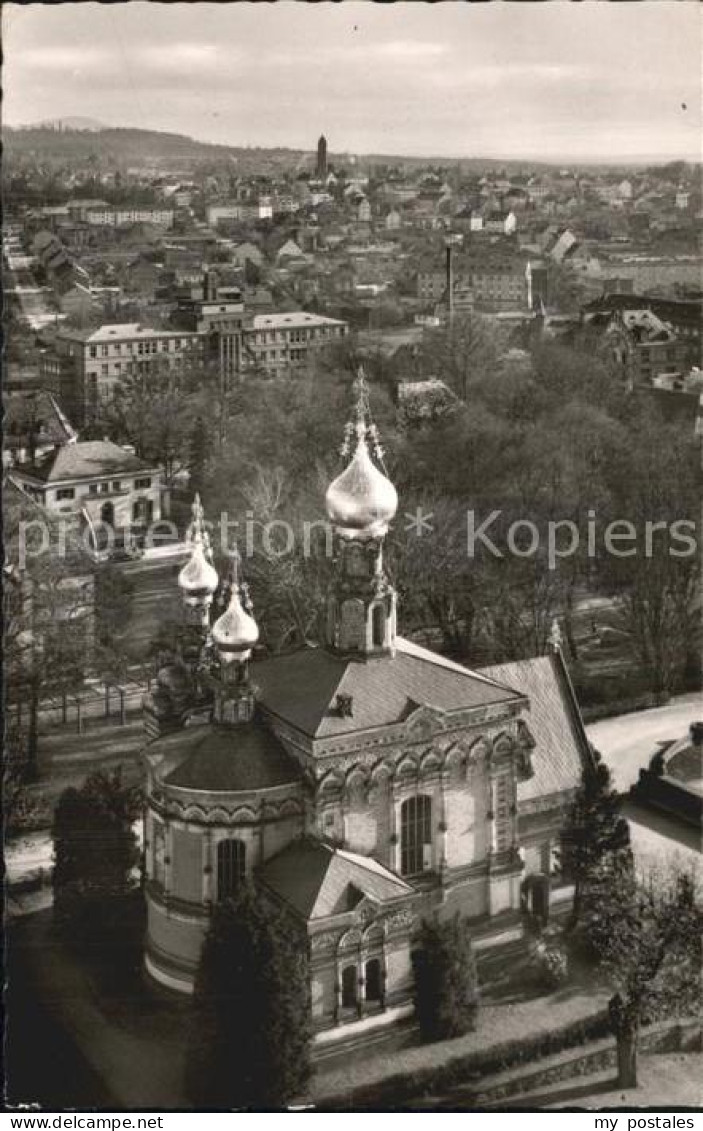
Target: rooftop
<point>295,319</point>
<point>560,750</point>
<point>117,332</point>
<point>302,688</point>
<point>84,459</point>
<point>215,758</point>
<point>318,880</point>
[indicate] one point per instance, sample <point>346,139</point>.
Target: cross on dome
<point>363,426</point>
<point>198,579</point>
<point>197,530</point>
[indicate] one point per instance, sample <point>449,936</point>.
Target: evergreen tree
<point>595,832</point>
<point>96,851</point>
<point>252,1014</point>
<point>446,981</point>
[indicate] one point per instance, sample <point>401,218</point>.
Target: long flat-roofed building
<point>276,342</point>
<point>85,365</point>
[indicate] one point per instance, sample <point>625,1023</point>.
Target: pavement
<point>627,743</point>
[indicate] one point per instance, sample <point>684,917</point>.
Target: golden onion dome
<point>198,578</point>
<point>235,633</point>
<point>362,501</point>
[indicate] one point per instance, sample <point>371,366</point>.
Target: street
<point>627,743</point>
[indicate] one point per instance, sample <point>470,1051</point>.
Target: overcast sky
<point>601,80</point>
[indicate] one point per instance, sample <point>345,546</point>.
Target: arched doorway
<point>107,514</point>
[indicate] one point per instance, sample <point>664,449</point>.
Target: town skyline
<point>450,83</point>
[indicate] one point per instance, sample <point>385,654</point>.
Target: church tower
<point>234,634</point>
<point>321,167</point>
<point>361,502</point>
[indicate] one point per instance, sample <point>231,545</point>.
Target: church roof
<point>213,758</point>
<point>302,688</point>
<point>318,880</point>
<point>561,747</point>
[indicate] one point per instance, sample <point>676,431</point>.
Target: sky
<point>552,81</point>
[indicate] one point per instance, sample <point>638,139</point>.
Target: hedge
<point>472,1066</point>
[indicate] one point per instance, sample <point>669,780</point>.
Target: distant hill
<point>120,146</point>
<point>85,139</point>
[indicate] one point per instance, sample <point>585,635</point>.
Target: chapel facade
<point>364,781</point>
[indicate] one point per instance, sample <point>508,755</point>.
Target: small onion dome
<point>235,633</point>
<point>361,501</point>
<point>198,578</point>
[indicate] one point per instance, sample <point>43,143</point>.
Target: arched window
<point>372,979</point>
<point>231,863</point>
<point>378,625</point>
<point>349,987</point>
<point>416,835</point>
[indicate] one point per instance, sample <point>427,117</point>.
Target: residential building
<point>93,482</point>
<point>495,284</point>
<point>277,342</point>
<point>119,217</point>
<point>500,223</point>
<point>655,273</point>
<point>215,213</point>
<point>644,346</point>
<point>85,365</point>
<point>684,316</point>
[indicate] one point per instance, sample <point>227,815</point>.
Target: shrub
<point>476,1065</point>
<point>446,982</point>
<point>550,966</point>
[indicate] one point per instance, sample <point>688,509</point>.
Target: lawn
<point>666,1080</point>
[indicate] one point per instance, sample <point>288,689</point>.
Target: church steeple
<point>361,502</point>
<point>198,579</point>
<point>234,634</point>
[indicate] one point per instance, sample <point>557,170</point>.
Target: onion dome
<point>235,633</point>
<point>362,501</point>
<point>198,579</point>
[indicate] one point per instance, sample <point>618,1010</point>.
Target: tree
<point>446,982</point>
<point>47,618</point>
<point>648,932</point>
<point>96,852</point>
<point>113,602</point>
<point>156,411</point>
<point>251,1031</point>
<point>463,351</point>
<point>596,835</point>
<point>199,446</point>
<point>655,486</point>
